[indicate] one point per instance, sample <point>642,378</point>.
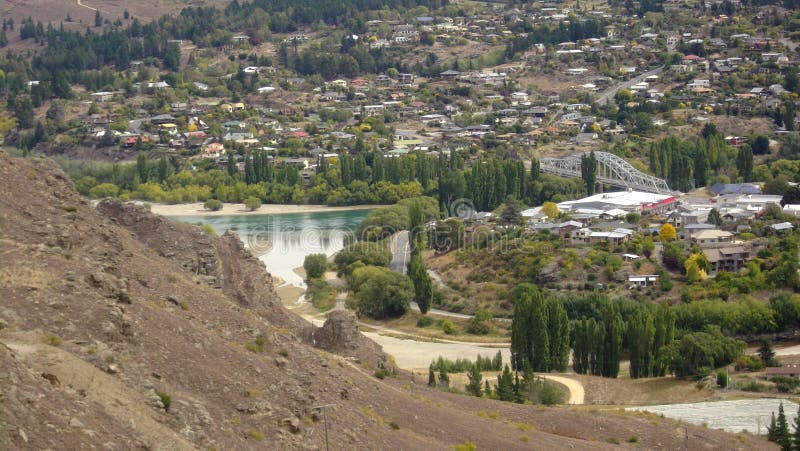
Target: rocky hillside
<point>122,330</point>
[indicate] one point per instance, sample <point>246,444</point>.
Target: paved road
<point>437,312</point>
<point>401,252</point>
<point>611,92</point>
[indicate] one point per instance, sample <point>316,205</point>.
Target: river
<point>284,240</point>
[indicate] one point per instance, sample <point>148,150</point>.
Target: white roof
<point>619,199</point>
<point>531,212</point>
<point>615,212</point>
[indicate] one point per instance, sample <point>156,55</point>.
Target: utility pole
<point>324,409</point>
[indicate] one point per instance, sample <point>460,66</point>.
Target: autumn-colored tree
<point>550,209</point>
<point>694,268</point>
<point>668,233</point>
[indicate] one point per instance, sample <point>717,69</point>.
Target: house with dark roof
<point>721,189</point>
<point>730,259</point>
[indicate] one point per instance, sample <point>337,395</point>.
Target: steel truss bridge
<point>611,170</point>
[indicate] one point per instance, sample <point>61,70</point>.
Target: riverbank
<point>287,293</point>
<point>196,209</point>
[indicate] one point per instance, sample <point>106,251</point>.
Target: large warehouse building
<point>623,200</point>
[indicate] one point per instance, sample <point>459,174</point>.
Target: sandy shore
<point>196,209</point>
<point>288,294</point>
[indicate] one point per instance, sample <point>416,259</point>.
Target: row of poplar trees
<point>539,331</point>
<point>540,337</point>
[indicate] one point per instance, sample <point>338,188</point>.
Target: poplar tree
<point>589,172</point>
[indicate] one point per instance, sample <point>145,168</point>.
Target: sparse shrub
<point>284,353</point>
<point>448,327</point>
<point>208,229</point>
<point>549,394</point>
<point>748,363</point>
<point>52,340</point>
<point>70,208</point>
<point>394,425</point>
<point>633,439</point>
<point>753,386</point>
<point>257,346</point>
<point>213,205</point>
<point>612,440</point>
<point>722,379</point>
<point>425,321</point>
<point>786,384</point>
<point>165,399</point>
<point>380,373</point>
<point>467,446</point>
<point>255,434</point>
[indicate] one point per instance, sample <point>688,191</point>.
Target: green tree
<point>698,353</point>
<point>641,333</point>
<point>385,295</point>
<point>475,387</point>
<point>252,203</point>
<point>612,345</point>
<point>714,217</point>
<point>558,335</point>
<point>163,169</point>
<point>504,390</point>
<point>766,353</point>
<point>783,437</point>
<point>104,190</point>
<point>423,287</point>
<point>23,110</point>
<point>213,205</point>
<point>760,145</point>
<point>529,332</point>
<point>375,254</point>
<point>98,20</point>
<point>141,167</point>
<point>744,163</point>
<point>172,57</point>
<point>663,336</point>
<point>315,265</point>
<point>796,434</point>
<point>232,169</point>
<point>511,214</point>
<point>589,172</point>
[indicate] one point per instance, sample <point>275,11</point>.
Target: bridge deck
<point>611,170</point>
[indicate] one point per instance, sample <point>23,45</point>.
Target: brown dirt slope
<point>121,330</point>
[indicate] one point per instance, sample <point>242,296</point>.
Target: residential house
<point>781,227</point>
<point>642,281</point>
<point>730,259</point>
<point>712,237</point>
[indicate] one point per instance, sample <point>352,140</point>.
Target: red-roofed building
<point>298,134</point>
<point>131,141</point>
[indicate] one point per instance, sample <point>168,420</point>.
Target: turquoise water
<point>286,239</point>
